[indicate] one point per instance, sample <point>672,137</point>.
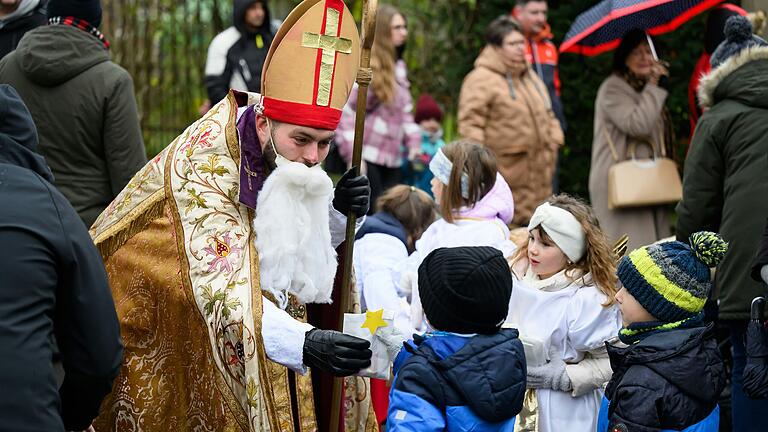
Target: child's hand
<point>393,339</point>
<point>551,375</point>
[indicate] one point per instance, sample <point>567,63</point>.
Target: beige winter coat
<point>507,108</point>
<point>626,115</point>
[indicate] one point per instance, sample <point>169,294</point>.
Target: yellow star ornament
<point>374,320</point>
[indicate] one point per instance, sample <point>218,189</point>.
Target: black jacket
<point>762,256</point>
<point>236,56</point>
<point>52,282</point>
<point>669,380</point>
<point>13,27</point>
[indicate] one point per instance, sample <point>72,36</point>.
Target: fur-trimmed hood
<point>743,77</point>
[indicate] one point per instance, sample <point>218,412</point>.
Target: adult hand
<point>336,353</point>
<point>353,193</point>
<point>551,375</point>
<point>658,70</point>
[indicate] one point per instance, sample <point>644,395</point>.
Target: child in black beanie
<point>467,371</point>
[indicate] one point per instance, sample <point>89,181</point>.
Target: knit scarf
<point>82,25</point>
<point>636,332</point>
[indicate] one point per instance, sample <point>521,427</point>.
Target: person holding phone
<point>630,108</point>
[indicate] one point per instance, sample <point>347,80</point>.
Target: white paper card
<point>367,326</point>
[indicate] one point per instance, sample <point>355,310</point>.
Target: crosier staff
<point>364,75</point>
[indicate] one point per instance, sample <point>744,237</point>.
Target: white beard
<point>293,236</point>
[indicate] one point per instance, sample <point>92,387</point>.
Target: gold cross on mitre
<point>330,44</point>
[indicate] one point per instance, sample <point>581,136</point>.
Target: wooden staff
<point>364,75</point>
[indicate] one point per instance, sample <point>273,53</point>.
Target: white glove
<point>764,273</point>
<point>393,339</point>
<point>551,375</point>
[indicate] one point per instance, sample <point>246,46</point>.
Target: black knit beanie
<point>88,10</point>
<point>465,289</point>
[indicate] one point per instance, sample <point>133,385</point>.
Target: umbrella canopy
<point>601,28</point>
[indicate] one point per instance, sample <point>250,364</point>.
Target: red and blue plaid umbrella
<point>601,28</point>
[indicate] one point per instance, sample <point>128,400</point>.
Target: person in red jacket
<point>713,35</point>
<point>540,51</point>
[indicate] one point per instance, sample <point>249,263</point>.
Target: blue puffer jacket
<point>455,383</point>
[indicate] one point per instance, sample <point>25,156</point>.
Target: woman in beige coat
<point>629,108</point>
<point>506,107</point>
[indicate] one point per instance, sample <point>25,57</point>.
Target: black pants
<point>381,178</point>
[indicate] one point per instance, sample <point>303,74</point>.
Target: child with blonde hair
<point>476,205</point>
<point>563,305</point>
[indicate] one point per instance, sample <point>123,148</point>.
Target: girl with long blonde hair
<point>389,123</point>
<point>563,305</point>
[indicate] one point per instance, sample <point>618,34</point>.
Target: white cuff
<point>283,337</point>
<point>764,273</point>
<point>338,223</point>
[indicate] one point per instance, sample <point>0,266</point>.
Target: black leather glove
<point>353,193</point>
<point>336,353</point>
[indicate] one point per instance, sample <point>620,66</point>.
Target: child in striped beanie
<point>670,374</point>
<point>666,285</point>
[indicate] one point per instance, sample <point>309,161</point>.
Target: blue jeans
<point>748,415</point>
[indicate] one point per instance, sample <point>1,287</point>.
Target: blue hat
<point>738,36</point>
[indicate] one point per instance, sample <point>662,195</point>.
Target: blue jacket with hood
<point>458,383</point>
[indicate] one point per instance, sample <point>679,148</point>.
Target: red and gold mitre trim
<point>311,65</point>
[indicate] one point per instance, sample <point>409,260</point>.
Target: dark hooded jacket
<point>761,259</point>
<point>668,381</point>
<point>451,382</point>
<point>236,56</point>
<point>724,177</point>
<point>14,26</point>
<point>52,282</point>
<point>85,110</point>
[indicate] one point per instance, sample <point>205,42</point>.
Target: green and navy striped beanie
<point>671,280</point>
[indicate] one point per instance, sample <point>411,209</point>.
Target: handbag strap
<point>607,137</point>
<point>611,145</point>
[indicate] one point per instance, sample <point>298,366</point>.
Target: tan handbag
<point>642,182</point>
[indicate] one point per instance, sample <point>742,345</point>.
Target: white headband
<point>441,167</point>
<point>564,229</point>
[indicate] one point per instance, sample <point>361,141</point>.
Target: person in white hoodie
<point>563,305</point>
<point>476,205</point>
<point>385,240</point>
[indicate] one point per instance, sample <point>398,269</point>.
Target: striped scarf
<point>636,332</point>
<point>82,25</point>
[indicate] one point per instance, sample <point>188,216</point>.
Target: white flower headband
<point>441,167</point>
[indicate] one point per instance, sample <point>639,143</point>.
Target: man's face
<point>302,144</point>
<point>532,16</point>
<point>254,15</point>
